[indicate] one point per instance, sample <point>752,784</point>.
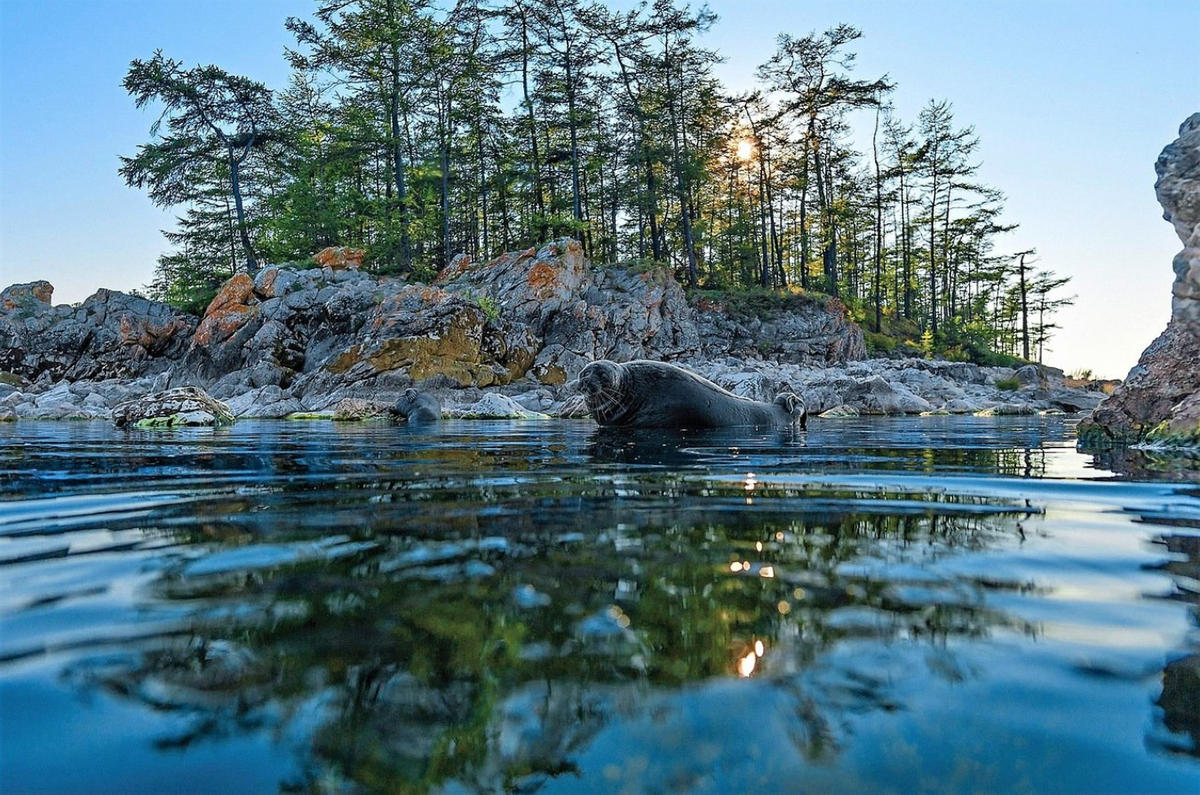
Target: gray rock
<point>110,335</point>
<point>494,406</point>
<point>174,407</point>
<point>1008,410</point>
<point>877,396</point>
<point>359,409</point>
<point>1161,394</point>
<point>268,402</point>
<point>840,412</point>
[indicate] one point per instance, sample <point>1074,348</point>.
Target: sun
<point>745,149</point>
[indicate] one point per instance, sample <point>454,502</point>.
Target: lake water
<point>879,605</point>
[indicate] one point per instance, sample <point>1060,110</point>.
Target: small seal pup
<point>417,406</point>
<point>645,394</point>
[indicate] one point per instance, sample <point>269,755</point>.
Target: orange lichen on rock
<point>340,257</point>
<point>228,312</point>
<point>542,276</point>
<point>266,282</point>
<point>23,294</point>
<point>457,267</point>
<point>344,361</point>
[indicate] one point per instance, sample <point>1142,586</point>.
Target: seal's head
<point>794,406</point>
<point>407,402</point>
<point>600,384</point>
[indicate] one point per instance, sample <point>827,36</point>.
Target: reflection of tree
<point>420,659</point>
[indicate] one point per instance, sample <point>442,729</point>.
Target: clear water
<point>907,605</point>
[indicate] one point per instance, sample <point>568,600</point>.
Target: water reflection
<point>554,609</point>
<point>412,650</point>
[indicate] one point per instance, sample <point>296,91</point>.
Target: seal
<point>645,394</point>
<point>417,406</point>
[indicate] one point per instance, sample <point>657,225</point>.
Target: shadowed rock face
<point>110,335</point>
<point>1160,399</point>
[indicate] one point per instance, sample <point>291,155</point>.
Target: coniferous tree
<point>216,121</point>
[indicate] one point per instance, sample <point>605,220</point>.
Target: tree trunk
<point>539,199</point>
<point>878,227</point>
<point>235,185</point>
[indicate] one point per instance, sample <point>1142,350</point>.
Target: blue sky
<point>1072,101</point>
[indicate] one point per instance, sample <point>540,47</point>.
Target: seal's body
<point>417,406</point>
<point>644,394</point>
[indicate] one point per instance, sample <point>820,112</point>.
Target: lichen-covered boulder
<point>358,410</point>
<point>340,257</point>
<point>172,408</point>
<point>494,406</point>
<point>34,296</point>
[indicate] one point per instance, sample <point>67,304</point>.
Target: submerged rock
<point>174,407</point>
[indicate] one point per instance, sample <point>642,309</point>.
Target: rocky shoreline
<point>489,340</point>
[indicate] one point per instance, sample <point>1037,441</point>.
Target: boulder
<point>1162,391</point>
<point>877,396</point>
<point>31,297</point>
<point>358,409</point>
<point>840,412</point>
<point>1008,410</point>
<point>340,257</point>
<point>494,406</point>
<point>172,408</point>
<point>267,402</point>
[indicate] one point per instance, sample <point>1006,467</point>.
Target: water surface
<point>879,605</point>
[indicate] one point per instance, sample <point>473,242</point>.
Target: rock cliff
<point>1160,399</point>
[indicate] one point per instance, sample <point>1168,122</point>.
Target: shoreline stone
<point>182,406</point>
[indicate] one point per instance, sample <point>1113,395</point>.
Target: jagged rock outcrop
<point>290,341</point>
<point>1160,399</point>
<point>821,334</point>
<point>110,335</point>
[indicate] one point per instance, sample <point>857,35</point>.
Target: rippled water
<point>907,605</point>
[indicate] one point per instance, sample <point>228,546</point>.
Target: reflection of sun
<point>745,149</point>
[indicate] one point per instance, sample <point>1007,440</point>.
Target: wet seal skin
<point>645,394</point>
<point>417,406</point>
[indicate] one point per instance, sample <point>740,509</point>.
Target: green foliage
<point>1008,384</point>
<point>927,342</point>
<point>880,345</point>
<point>395,134</point>
<point>757,302</point>
<point>491,310</point>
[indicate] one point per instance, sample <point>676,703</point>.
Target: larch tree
<point>216,123</point>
